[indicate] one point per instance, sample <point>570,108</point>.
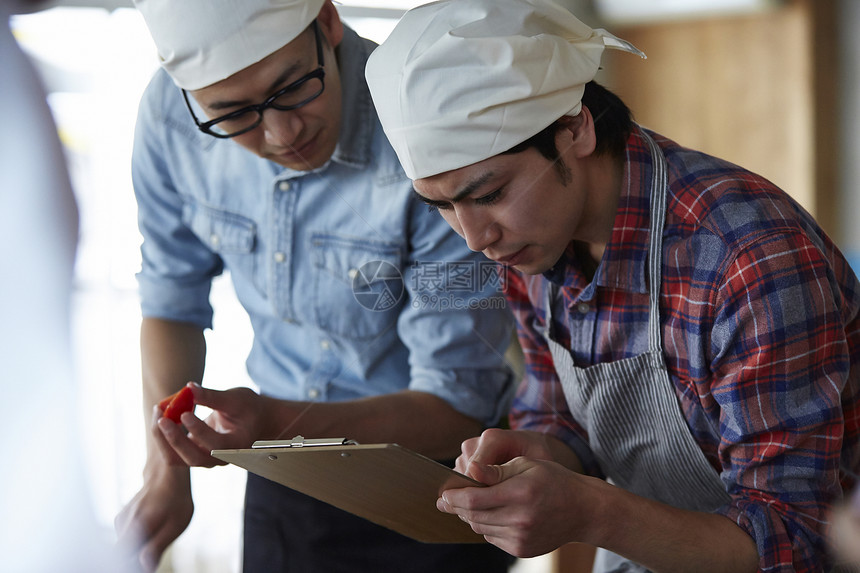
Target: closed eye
<point>489,198</point>
<point>433,206</point>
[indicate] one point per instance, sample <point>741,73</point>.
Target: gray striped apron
<point>630,410</point>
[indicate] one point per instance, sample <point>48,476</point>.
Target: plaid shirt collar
<point>624,260</point>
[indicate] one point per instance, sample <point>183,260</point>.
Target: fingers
<point>444,506</point>
<point>204,436</point>
<point>494,446</point>
<point>191,445</point>
<point>496,511</point>
<point>175,445</point>
<point>170,455</point>
<point>489,523</point>
<point>484,473</point>
<point>472,508</point>
<point>150,554</point>
<point>497,494</point>
<point>467,449</point>
<point>480,450</point>
<point>131,551</point>
<point>229,426</point>
<point>466,500</point>
<point>142,535</point>
<point>190,453</point>
<point>214,399</point>
<point>128,533</point>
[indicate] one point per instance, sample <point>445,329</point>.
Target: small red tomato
<point>166,402</point>
<point>174,405</point>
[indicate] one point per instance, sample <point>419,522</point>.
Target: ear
<point>577,134</point>
<point>330,24</point>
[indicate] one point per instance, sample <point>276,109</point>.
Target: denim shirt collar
<point>355,142</point>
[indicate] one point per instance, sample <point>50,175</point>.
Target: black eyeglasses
<point>301,92</point>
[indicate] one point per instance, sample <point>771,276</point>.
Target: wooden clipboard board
<point>385,483</point>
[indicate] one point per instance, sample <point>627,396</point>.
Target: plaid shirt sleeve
<point>780,363</point>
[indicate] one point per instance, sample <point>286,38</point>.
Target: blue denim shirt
<point>353,288</point>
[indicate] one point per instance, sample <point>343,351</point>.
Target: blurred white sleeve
<point>47,521</point>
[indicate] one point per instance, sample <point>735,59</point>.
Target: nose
<point>281,128</point>
<point>479,229</point>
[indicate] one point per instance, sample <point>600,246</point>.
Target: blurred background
<point>769,84</point>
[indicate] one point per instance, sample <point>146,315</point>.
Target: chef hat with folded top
<point>459,81</point>
<point>201,42</point>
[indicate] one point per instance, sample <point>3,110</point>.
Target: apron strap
<point>659,188</point>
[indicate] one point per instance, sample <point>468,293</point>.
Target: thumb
<point>489,474</point>
<point>214,399</point>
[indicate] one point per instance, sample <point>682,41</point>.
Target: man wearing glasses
<point>258,151</point>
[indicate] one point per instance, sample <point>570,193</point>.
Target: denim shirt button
<point>284,185</point>
<point>214,240</point>
<point>313,393</point>
<point>325,344</point>
<point>352,273</point>
<point>280,257</point>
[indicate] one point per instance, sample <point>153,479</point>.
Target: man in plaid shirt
<point>691,335</point>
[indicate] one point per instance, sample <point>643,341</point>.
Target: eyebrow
<point>290,71</point>
<point>466,190</point>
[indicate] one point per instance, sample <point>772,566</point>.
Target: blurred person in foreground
<point>257,151</point>
<point>846,529</point>
<point>48,523</point>
<point>691,334</point>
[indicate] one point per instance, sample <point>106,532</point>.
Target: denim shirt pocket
<point>231,236</point>
<point>359,288</point>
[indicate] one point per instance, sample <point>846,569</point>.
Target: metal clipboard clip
<point>301,442</point>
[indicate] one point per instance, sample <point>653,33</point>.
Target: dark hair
<point>613,123</point>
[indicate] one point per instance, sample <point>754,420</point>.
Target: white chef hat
<point>201,42</point>
<point>459,81</point>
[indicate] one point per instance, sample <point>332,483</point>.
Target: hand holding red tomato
<point>235,422</point>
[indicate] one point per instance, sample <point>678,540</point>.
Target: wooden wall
<point>756,89</point>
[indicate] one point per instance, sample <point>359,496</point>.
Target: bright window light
<point>636,11</point>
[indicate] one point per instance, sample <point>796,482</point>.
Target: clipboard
<point>387,484</point>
